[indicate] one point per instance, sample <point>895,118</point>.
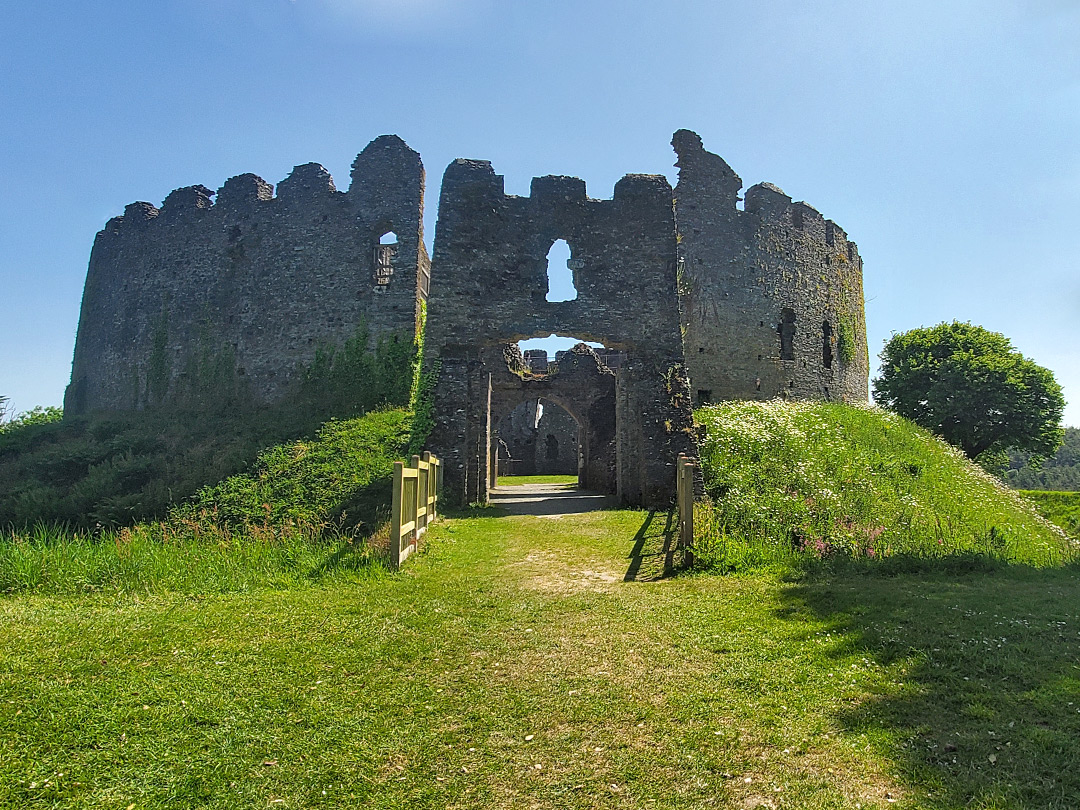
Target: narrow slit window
<point>786,328</point>
<point>559,273</point>
<point>826,344</point>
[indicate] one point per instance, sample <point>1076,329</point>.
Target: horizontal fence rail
<point>414,504</point>
<point>684,500</point>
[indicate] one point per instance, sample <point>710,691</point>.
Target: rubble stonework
<point>489,288</point>
<point>540,437</point>
<point>234,297</point>
<point>772,294</point>
<point>691,297</point>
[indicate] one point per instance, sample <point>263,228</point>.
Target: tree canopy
<point>973,388</point>
<point>1060,471</point>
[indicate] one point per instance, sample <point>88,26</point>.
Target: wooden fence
<point>684,501</point>
<point>414,505</point>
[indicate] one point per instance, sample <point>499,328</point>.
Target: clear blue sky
<point>943,136</point>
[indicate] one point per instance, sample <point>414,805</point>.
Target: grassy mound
<point>119,469</point>
<point>795,481</point>
<point>1062,508</point>
<point>303,512</point>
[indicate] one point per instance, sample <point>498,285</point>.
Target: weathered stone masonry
<point>694,297</point>
<point>489,287</point>
<point>772,294</point>
<point>233,298</point>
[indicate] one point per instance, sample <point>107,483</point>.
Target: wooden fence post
<point>684,487</point>
<point>395,515</point>
<point>428,481</point>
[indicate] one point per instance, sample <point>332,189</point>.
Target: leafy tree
<point>37,415</point>
<point>971,387</point>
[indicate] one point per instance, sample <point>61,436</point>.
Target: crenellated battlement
<point>244,191</point>
<point>771,288</point>
<point>556,187</point>
<point>256,279</point>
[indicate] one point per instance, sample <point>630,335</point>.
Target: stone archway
<point>490,260</point>
<point>582,386</point>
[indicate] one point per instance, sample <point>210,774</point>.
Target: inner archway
<point>538,437</point>
<point>553,418</point>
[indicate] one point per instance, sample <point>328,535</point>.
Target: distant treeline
<point>1062,472</point>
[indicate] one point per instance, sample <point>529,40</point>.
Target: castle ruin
<point>693,298</point>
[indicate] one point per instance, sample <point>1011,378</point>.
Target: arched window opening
<point>559,273</point>
<point>384,258</point>
<point>786,328</point>
<point>826,344</point>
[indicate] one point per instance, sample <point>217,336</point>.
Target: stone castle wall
<point>200,300</point>
<point>692,297</point>
<point>772,297</point>
<point>489,288</point>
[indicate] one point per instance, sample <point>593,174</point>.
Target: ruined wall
<point>540,437</point>
<point>556,442</point>
<point>579,399</point>
<point>230,299</point>
<point>489,287</point>
<point>772,298</point>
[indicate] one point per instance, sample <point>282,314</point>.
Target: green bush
<point>789,481</point>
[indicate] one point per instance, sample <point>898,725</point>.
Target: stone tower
<point>772,295</point>
<point>201,300</point>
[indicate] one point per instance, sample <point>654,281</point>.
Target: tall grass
<point>794,481</point>
<point>148,558</point>
<point>308,510</point>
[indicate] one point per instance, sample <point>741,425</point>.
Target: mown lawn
<point>545,662</point>
<point>521,480</point>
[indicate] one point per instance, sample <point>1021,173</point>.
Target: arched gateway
<point>489,290</point>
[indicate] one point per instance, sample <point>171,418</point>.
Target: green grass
<point>304,513</point>
<point>516,642</point>
<point>251,650</point>
<point>520,480</point>
<point>1063,508</point>
<point>118,469</point>
<point>791,482</point>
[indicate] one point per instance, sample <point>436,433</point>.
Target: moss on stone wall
<point>158,365</point>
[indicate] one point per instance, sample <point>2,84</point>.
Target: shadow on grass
<point>655,554</point>
<point>988,655</point>
<point>359,518</point>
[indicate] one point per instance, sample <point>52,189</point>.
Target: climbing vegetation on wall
<point>350,379</point>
